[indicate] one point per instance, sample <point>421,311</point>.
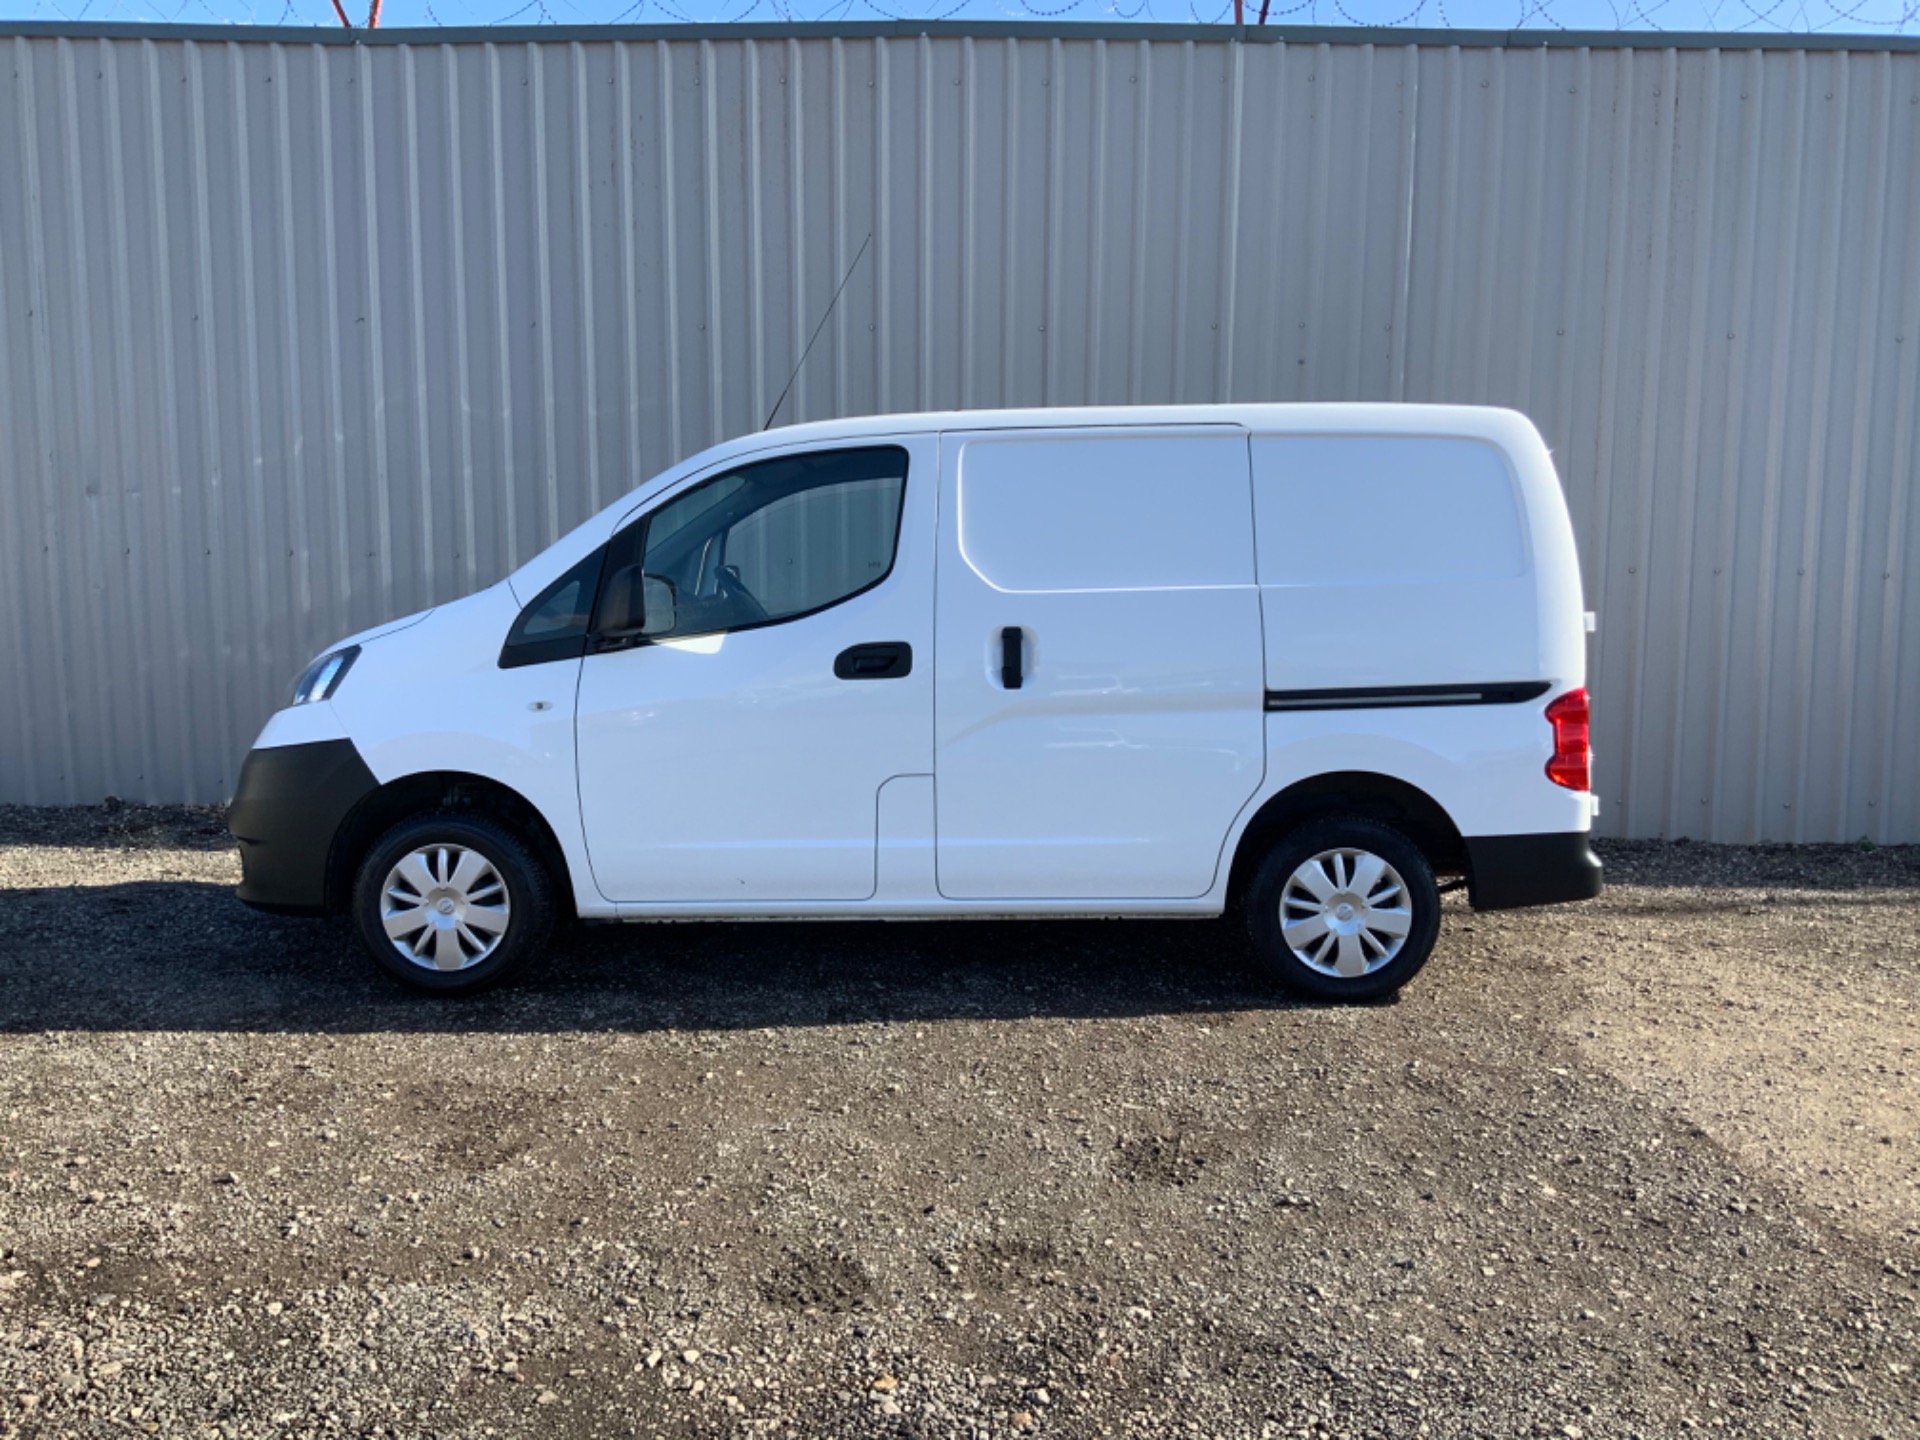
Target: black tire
<point>1268,889</point>
<point>529,893</point>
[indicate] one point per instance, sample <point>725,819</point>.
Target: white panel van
<point>1304,662</point>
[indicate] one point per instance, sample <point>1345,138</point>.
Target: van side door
<point>759,665</point>
<point>1099,697</point>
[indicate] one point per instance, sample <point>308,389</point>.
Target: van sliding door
<point>1098,687</point>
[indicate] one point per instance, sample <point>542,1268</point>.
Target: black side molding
<point>285,812</point>
<point>1506,872</point>
<point>1471,692</point>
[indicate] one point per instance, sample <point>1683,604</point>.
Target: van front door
<point>1099,712</point>
<point>760,664</point>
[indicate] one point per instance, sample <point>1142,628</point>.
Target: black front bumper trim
<point>285,813</point>
<point>1506,872</point>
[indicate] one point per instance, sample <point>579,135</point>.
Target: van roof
<point>1483,420</point>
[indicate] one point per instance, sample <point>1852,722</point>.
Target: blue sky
<point>1879,17</point>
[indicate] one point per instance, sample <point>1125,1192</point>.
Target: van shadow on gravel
<point>185,955</point>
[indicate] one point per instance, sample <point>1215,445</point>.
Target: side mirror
<point>656,602</point>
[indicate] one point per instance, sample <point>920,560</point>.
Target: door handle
<point>883,660</point>
<point>1010,646</point>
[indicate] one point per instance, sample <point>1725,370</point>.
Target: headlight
<point>320,679</point>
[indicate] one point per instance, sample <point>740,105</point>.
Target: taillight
<point>1572,762</point>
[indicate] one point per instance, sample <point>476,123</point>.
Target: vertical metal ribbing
<point>462,366</point>
<point>1812,513</point>
<point>1142,171</point>
<point>708,84</point>
<point>1056,84</point>
<point>1182,228</point>
<point>87,528</point>
<point>1278,58</point>
<point>28,741</point>
<point>837,241</point>
<point>262,579</point>
<point>624,170</point>
<point>797,328</point>
<point>1226,300</point>
<point>40,377</point>
<point>136,507</point>
<point>220,620</point>
<point>1899,810</point>
<point>923,248</point>
<point>1646,462</point>
<point>1307,383</point>
<point>1535,193</point>
<point>297,475</point>
<point>1614,289</point>
<point>503,322</point>
<point>1569,294</point>
<point>1403,247</point>
<point>1493,169</point>
<point>669,243</point>
<point>756,247</point>
<point>548,398</point>
<point>373,332</point>
<point>1097,227</point>
<point>1684,583</point>
<point>334,379</point>
<point>585,299</point>
<point>1766,555</point>
<point>1718,818</point>
<point>208,397</point>
<point>1853,579</point>
<point>1435,384</point>
<point>1350,382</point>
<point>1009,221</point>
<point>427,588</point>
<point>968,87</point>
<point>882,226</point>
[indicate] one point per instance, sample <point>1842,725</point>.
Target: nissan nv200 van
<point>1301,661</point>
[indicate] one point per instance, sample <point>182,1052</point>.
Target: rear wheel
<point>1344,908</point>
<point>452,903</point>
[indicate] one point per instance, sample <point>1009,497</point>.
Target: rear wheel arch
<point>442,791</point>
<point>1406,807</point>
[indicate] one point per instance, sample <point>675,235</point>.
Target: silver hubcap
<point>1345,913</point>
<point>444,907</point>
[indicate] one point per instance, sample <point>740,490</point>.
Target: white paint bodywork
<point>733,776</point>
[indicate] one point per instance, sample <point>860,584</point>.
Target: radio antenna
<point>816,332</point>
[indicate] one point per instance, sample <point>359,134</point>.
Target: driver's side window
<point>768,542</point>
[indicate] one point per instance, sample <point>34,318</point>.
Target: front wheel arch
<point>442,791</point>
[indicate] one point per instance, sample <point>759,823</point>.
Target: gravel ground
<point>1642,1167</point>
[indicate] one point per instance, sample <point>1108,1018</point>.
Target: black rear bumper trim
<point>1507,872</point>
<point>285,813</point>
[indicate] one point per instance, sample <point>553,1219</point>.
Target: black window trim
<point>595,643</point>
<point>561,647</point>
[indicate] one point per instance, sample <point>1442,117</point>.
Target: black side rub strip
<point>1476,692</point>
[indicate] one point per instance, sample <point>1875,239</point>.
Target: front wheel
<point>1344,909</point>
<point>451,903</point>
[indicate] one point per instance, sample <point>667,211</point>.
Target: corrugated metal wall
<point>295,336</point>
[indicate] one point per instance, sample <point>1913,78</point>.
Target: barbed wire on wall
<point>1732,17</point>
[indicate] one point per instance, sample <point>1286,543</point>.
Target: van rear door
<point>1098,686</point>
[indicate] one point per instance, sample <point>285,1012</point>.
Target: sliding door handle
<point>1011,644</point>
